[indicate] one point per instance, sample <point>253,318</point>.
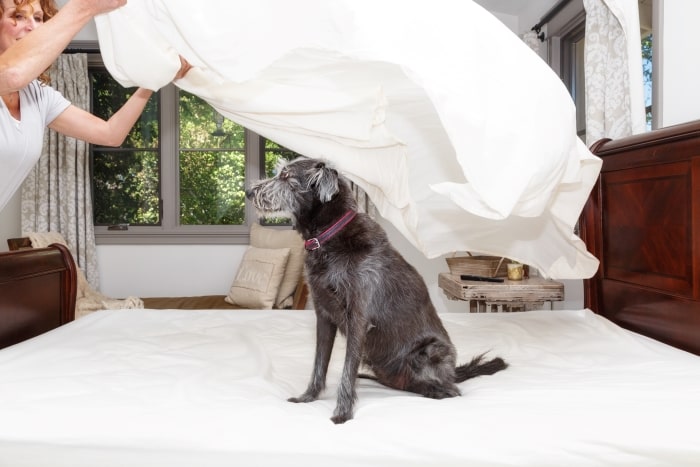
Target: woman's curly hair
<point>50,9</point>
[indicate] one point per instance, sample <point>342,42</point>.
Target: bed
<point>584,387</point>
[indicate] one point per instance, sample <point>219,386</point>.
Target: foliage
<point>126,179</point>
<point>647,42</point>
<point>211,161</point>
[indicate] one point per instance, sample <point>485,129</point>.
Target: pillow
<point>258,278</point>
<point>267,237</point>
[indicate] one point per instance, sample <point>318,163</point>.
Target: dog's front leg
<point>325,337</point>
<point>357,329</point>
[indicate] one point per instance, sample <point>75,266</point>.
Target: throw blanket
<point>461,135</point>
<point>87,298</point>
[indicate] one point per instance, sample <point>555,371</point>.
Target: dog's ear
<point>325,181</point>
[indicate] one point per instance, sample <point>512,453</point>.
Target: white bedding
<point>462,136</point>
<point>208,388</point>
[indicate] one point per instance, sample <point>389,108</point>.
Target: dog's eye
<point>284,175</point>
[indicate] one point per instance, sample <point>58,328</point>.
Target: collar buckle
<point>312,244</point>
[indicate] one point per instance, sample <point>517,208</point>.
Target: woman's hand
<point>97,7</point>
<point>184,68</point>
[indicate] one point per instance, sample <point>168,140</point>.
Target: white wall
<point>167,270</point>
<point>675,74</point>
<point>10,221</point>
<point>179,270</point>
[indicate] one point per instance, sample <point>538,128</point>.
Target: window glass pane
<point>108,96</point>
<point>125,187</point>
<point>212,187</point>
<point>212,165</point>
<point>578,91</point>
<point>203,127</point>
<point>125,180</point>
<point>274,153</point>
<point>646,13</point>
<point>647,42</point>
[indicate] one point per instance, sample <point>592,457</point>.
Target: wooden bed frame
<point>643,222</point>
<point>37,292</point>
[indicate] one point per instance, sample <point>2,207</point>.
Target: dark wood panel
<point>661,316</point>
<point>37,292</point>
<point>642,222</point>
<point>647,227</point>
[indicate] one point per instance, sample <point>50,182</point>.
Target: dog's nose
<point>249,193</point>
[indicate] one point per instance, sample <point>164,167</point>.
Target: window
<point>647,43</point>
<point>569,40</point>
<point>645,25</point>
<point>572,71</point>
<point>181,174</point>
<point>565,41</point>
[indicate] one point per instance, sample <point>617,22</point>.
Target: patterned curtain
<point>613,70</point>
<point>56,195</point>
<point>531,40</point>
<point>364,203</point>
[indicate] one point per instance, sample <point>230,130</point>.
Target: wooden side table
<point>524,295</point>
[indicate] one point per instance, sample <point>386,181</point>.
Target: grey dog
<point>363,287</point>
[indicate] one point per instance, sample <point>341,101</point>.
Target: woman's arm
<point>29,57</point>
<point>83,125</point>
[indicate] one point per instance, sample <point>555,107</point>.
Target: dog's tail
<point>479,367</point>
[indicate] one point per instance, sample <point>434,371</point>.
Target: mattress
<point>209,388</point>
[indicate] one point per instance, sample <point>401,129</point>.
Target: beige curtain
<point>56,195</point>
<point>613,70</point>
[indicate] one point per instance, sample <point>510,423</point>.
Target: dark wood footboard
<point>643,223</point>
<point>37,292</point>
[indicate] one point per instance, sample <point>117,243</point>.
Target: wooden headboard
<point>643,223</point>
<point>37,292</point>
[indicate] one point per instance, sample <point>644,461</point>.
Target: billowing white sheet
<point>208,388</point>
<point>462,136</point>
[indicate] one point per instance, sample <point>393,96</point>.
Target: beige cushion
<point>258,278</point>
<point>268,237</point>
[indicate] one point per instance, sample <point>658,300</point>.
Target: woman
<point>29,43</point>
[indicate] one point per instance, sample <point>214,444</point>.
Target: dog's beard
<point>267,199</point>
<point>274,198</point>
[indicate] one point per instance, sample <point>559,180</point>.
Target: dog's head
<point>299,184</point>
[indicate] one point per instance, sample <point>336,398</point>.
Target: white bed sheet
<point>208,388</point>
<point>463,137</point>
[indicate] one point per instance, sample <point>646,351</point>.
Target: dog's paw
<point>341,418</point>
<point>301,399</point>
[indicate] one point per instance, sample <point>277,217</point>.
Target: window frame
<point>564,31</point>
<point>170,231</point>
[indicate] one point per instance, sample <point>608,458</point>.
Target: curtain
<point>613,70</point>
<point>364,203</point>
<point>56,195</point>
<point>531,40</point>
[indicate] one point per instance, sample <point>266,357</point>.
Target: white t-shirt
<point>21,141</point>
